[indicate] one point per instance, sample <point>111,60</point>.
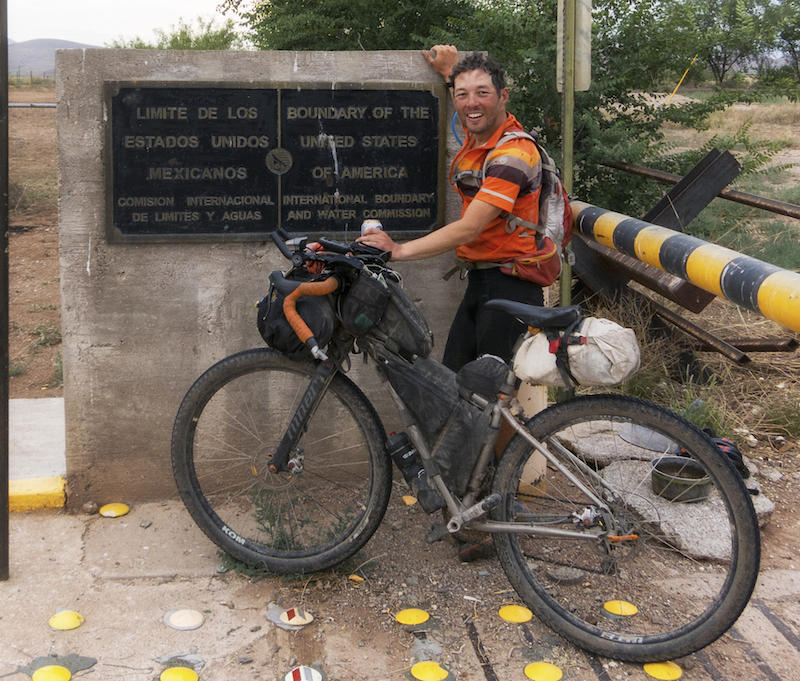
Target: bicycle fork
<point>317,387</point>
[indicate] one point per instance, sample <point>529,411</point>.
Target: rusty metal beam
<point>755,345</point>
<point>719,345</point>
<point>671,287</point>
<point>771,205</point>
<point>695,190</point>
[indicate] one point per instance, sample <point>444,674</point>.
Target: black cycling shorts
<point>476,331</point>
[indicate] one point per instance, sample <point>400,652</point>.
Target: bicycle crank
<point>473,512</point>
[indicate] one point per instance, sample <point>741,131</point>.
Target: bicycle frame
<point>470,510</point>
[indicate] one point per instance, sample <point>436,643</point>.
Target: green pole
<point>568,125</point>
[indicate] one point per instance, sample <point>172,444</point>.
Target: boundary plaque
<point>195,161</point>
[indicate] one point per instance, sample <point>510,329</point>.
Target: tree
<point>206,36</point>
<point>633,46</point>
<point>788,36</point>
<point>343,24</point>
<point>726,34</point>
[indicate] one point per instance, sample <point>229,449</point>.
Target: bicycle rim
<point>663,569</point>
<point>322,512</point>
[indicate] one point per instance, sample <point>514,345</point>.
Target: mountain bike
<point>285,464</point>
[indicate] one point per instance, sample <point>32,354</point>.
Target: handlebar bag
<point>597,352</point>
<point>316,311</point>
<point>365,304</point>
<point>403,328</point>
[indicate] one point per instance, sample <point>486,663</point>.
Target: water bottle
<point>405,456</point>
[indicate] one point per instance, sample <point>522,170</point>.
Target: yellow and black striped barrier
<point>746,281</point>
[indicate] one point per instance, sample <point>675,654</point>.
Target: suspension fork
<point>312,397</point>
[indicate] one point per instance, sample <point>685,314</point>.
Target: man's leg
<point>497,332</point>
<point>461,347</point>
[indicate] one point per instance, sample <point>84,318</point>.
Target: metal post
<point>4,355</point>
<point>568,126</point>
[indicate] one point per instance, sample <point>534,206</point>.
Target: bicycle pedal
<point>438,532</point>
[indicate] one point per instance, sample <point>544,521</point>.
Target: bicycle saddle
<point>538,317</point>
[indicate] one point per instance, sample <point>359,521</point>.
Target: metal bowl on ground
<point>679,479</point>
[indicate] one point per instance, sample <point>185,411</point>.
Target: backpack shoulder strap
<point>513,222</point>
<point>506,137</point>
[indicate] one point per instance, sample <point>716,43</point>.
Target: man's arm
<point>464,231</point>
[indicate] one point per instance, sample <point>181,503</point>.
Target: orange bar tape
<point>309,288</point>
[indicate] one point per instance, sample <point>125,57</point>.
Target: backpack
<point>555,218</point>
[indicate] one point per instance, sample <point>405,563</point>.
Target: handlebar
<point>324,255</point>
<point>281,244</point>
<point>356,254</point>
<point>308,288</point>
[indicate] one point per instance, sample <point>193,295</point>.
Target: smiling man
<point>499,208</point>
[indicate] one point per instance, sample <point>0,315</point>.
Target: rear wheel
<point>231,422</point>
<point>678,555</point>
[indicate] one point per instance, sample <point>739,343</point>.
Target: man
<point>482,237</point>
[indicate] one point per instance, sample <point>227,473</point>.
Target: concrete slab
<point>122,577</point>
<point>37,454</point>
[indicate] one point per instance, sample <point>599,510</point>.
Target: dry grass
<point>760,399</point>
<point>778,122</point>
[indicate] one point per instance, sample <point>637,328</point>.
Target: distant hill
<point>37,57</point>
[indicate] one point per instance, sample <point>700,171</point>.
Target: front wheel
<point>653,569</point>
<point>228,426</point>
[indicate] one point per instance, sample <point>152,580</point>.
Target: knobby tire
<point>687,565</point>
<point>229,424</point>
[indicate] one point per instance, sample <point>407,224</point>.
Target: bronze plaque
<point>210,162</point>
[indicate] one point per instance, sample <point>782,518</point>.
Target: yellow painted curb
<point>37,494</point>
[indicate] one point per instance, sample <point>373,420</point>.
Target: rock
<point>771,474</point>
<point>90,508</point>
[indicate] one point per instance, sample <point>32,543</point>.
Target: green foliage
<point>16,368</point>
<point>207,35</point>
<point>785,417</point>
<point>753,154</point>
<point>725,34</point>
<point>46,335</point>
<point>57,379</point>
<point>343,24</point>
<point>635,46</point>
<point>788,36</point>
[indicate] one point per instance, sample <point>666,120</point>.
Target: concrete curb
<point>37,455</point>
<point>37,494</point>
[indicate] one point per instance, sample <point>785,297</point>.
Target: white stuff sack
<point>609,356</point>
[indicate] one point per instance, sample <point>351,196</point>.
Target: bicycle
<point>283,463</point>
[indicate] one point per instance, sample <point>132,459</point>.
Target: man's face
<point>480,108</point>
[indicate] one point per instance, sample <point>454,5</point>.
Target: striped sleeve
<point>513,172</point>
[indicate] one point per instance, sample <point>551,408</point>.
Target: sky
<point>100,22</point>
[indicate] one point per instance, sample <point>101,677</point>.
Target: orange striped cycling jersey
<point>512,183</point>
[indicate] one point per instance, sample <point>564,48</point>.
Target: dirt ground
<point>34,280</point>
<point>409,572</point>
